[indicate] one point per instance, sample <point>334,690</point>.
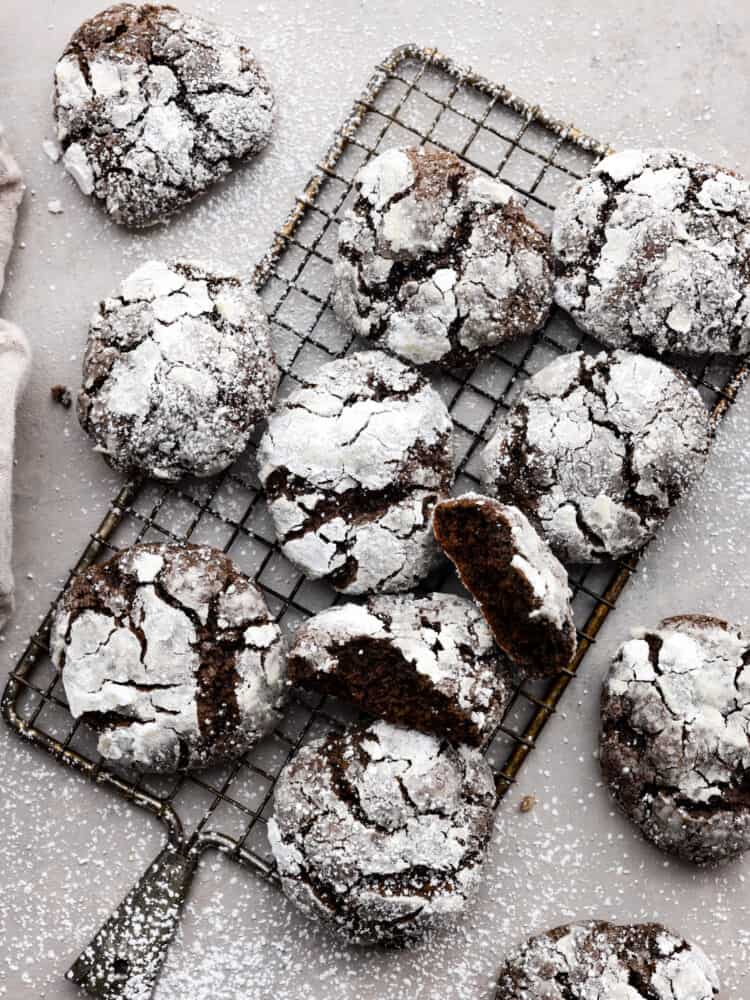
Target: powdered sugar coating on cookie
<point>352,464</point>
<point>381,831</point>
<point>595,960</point>
<point>429,663</point>
<point>170,654</point>
<point>597,450</point>
<point>153,106</point>
<point>438,263</point>
<point>653,249</point>
<point>675,743</point>
<point>178,370</point>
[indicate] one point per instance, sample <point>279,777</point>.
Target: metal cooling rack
<point>415,96</point>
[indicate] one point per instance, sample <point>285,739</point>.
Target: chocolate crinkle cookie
<point>169,653</point>
<point>518,583</point>
<point>381,832</point>
<point>353,463</point>
<point>652,249</point>
<point>597,450</point>
<point>595,960</point>
<point>428,663</point>
<point>675,738</point>
<point>177,371</point>
<point>438,263</point>
<point>153,106</point>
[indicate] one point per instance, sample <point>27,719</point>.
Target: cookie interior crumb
<point>480,542</point>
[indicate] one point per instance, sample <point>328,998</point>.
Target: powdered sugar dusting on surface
<point>71,851</point>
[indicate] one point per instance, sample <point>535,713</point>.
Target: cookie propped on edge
<point>521,587</point>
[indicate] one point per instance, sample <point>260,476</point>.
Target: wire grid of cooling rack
<point>415,96</point>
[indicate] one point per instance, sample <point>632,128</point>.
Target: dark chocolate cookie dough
<point>675,739</point>
<point>381,831</point>
<point>178,369</point>
<point>594,960</point>
<point>597,450</point>
<point>652,249</point>
<point>437,262</point>
<point>169,653</point>
<point>153,106</point>
<point>427,663</point>
<point>352,464</point>
<point>518,583</point>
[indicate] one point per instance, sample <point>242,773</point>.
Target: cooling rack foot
<point>125,958</point>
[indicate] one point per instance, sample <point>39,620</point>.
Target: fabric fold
<point>11,195</point>
<point>14,365</point>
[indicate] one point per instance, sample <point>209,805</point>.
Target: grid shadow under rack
<point>415,96</point>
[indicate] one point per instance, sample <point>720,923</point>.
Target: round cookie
<point>153,106</point>
<point>597,450</point>
<point>353,463</point>
<point>675,738</point>
<point>177,371</point>
<point>438,263</point>
<point>381,831</point>
<point>518,583</point>
<point>595,960</point>
<point>169,653</point>
<point>652,249</point>
<point>427,663</point>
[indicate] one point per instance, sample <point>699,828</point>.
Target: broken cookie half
<point>513,575</point>
<point>428,663</point>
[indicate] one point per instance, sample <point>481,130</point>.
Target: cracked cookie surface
<point>153,106</point>
<point>352,464</point>
<point>381,831</point>
<point>177,371</point>
<point>652,249</point>
<point>438,263</point>
<point>427,663</point>
<point>597,450</point>
<point>675,738</point>
<point>169,653</point>
<point>511,572</point>
<point>596,960</point>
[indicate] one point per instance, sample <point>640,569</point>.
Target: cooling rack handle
<point>125,958</point>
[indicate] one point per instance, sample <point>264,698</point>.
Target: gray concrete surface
<point>632,73</point>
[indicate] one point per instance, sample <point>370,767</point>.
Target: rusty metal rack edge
<point>545,704</point>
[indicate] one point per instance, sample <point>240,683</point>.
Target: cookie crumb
<point>527,803</point>
<point>61,394</point>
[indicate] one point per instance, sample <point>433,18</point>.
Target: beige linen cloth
<point>14,364</point>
